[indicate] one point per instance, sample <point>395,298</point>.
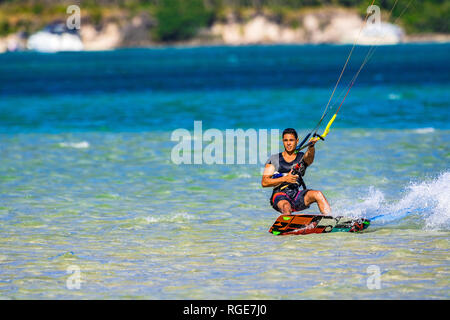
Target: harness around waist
<point>290,189</point>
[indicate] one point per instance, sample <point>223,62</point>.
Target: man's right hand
<point>290,178</point>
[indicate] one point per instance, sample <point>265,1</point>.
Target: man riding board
<point>287,196</point>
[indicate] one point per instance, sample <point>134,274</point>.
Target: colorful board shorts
<point>295,197</point>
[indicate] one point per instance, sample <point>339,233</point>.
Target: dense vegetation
<point>181,19</point>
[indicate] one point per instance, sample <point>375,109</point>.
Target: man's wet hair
<point>290,131</point>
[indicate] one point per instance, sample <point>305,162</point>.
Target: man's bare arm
<point>267,180</point>
<point>309,155</point>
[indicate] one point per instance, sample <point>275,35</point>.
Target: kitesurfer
<point>279,173</point>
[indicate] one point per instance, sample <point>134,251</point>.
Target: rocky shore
<point>335,26</point>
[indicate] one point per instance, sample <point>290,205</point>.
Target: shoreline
<point>194,44</point>
<point>227,45</point>
<point>223,44</point>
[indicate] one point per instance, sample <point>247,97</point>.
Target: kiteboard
<point>316,223</point>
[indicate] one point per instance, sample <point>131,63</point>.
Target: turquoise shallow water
<point>87,178</point>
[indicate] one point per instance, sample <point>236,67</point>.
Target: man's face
<point>289,142</point>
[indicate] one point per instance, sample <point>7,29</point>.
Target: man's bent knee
<point>285,207</point>
<point>317,196</point>
<point>314,196</point>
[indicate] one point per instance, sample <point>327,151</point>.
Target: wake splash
<point>428,202</point>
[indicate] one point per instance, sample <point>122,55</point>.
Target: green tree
<point>180,19</point>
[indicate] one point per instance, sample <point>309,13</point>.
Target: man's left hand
<point>312,143</point>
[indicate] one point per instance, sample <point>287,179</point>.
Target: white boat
<point>54,38</point>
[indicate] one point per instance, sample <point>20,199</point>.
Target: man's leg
<point>317,196</point>
<point>285,207</point>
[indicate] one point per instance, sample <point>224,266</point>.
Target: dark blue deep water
<point>403,86</point>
